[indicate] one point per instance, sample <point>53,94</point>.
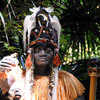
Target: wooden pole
<point>93,86</point>
<point>94,72</point>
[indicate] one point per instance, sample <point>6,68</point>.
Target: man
<point>41,80</point>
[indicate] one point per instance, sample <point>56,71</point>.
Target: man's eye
<point>37,50</point>
<point>48,50</point>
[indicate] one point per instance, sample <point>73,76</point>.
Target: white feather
<point>56,24</point>
<point>28,94</point>
<point>49,9</point>
<point>29,24</point>
<point>34,9</point>
<point>25,30</point>
<point>54,91</point>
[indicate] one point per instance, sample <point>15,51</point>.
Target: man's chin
<point>43,63</point>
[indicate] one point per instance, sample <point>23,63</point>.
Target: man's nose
<point>43,52</point>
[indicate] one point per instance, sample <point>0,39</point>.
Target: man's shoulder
<point>69,78</point>
<point>66,75</point>
<point>63,72</point>
<point>71,86</point>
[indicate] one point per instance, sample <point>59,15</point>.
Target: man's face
<point>43,56</point>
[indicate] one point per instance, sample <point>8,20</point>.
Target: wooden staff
<point>94,72</point>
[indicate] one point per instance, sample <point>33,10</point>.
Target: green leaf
<point>6,45</point>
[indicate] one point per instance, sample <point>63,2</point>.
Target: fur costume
<point>68,88</point>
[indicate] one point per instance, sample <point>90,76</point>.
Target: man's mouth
<point>43,58</point>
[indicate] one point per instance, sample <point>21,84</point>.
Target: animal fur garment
<point>68,87</point>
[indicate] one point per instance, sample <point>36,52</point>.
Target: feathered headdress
<point>42,28</point>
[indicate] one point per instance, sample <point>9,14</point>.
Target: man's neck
<point>42,71</point>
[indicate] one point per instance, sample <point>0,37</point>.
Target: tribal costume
<point>41,28</point>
